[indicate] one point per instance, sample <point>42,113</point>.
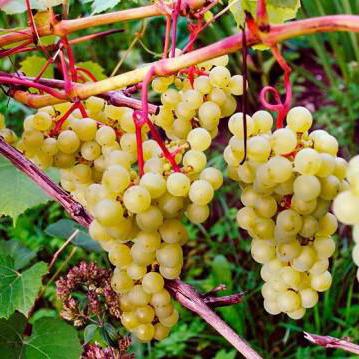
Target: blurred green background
<point>326,80</point>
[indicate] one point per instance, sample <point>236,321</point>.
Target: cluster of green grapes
<point>137,219</point>
<point>201,103</point>
<point>288,180</point>
<point>346,205</point>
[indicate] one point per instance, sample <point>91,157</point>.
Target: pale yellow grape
<point>262,251</point>
<point>268,292</point>
<point>125,303</point>
<point>201,192</point>
<point>161,298</point>
<point>145,314</point>
<point>320,266</point>
<point>192,98</point>
<point>170,98</point>
<point>150,219</point>
<point>105,136</point>
<point>213,176</point>
<point>355,254</point>
<point>173,231</point>
<point>121,282</point>
<point>170,205</point>
<point>310,227</point>
<point>283,141</point>
<point>307,161</point>
<point>264,176</point>
<point>120,255</point>
<point>290,276</point>
<point>330,187</point>
<point>232,173</point>
<point>299,119</point>
<point>345,207</point>
<point>161,332</point>
<point>263,121</point>
<point>235,125</point>
<point>138,296</point>
<point>199,139</point>
<point>41,121</point>
<point>136,271</point>
<point>209,114</point>
<point>159,85</point>
<point>121,230</point>
<point>288,250</point>
<point>171,320</point>
<point>95,104</point>
<point>236,84</point>
<point>49,146</point>
<point>202,84</point>
<point>27,123</point>
<point>289,221</point>
<point>81,173</point>
<point>229,106</point>
<point>90,150</point>
<point>137,199</point>
<point>152,282</point>
<point>129,320</point>
<point>237,147</point>
<point>178,184</point>
<point>353,169</point>
<point>265,206</point>
<point>306,187</point>
<point>197,214</point>
<point>108,212</point>
<point>288,301</point>
<point>68,142</point>
<point>148,241</point>
<point>118,157</point>
<point>170,272</point>
<point>85,128</point>
<point>303,207</point>
<point>285,188</point>
<point>263,228</point>
<point>116,179</point>
<point>305,260</point>
<point>142,257</point>
<point>340,169</point>
<point>258,148</point>
<point>108,149</point>
<point>218,96</point>
<point>296,314</point>
<point>169,255</point>
<point>183,112</point>
<point>249,196</point>
<point>309,297</point>
<point>196,160</point>
<point>98,232</point>
<point>271,306</point>
<point>150,149</point>
<point>323,142</point>
<point>327,165</point>
<point>231,158</point>
<point>128,142</point>
<point>164,310</point>
<point>219,76</point>
<point>278,285</point>
<point>64,160</point>
<point>280,169</point>
<point>321,282</point>
<point>246,217</point>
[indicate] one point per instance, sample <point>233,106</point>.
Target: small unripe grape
<point>137,199</point>
<point>321,282</point>
<point>220,76</point>
<point>138,296</point>
<point>150,220</point>
<point>178,184</point>
<point>121,282</point>
<point>195,159</point>
<point>145,332</point>
<point>171,320</point>
<point>288,301</point>
<point>235,125</point>
<point>213,176</point>
<point>283,141</point>
<point>152,282</point>
<point>145,314</point>
<point>108,212</point>
<point>199,139</point>
<point>263,121</point>
<point>197,214</point>
<point>299,119</point>
<point>105,136</point>
<point>154,183</point>
<point>201,192</point>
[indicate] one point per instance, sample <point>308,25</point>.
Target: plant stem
<point>277,33</point>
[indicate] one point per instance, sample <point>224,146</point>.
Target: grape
<point>41,121</point>
<point>108,212</point>
<point>170,98</point>
<point>209,114</point>
<point>120,255</point>
<point>299,119</point>
<point>137,199</point>
<point>280,168</point>
<point>118,157</point>
<point>178,184</point>
<point>213,176</point>
<point>152,282</point>
<point>129,320</point>
<point>288,301</point>
<point>173,231</point>
<point>145,332</point>
<point>192,98</point>
<point>148,241</point>
<point>199,139</point>
<point>236,85</point>
<point>296,314</point>
<point>283,141</point>
<point>263,121</point>
<point>105,136</point>
<point>98,232</point>
<point>171,320</point>
<point>324,246</point>
<point>271,307</point>
<point>262,251</point>
<point>345,207</point>
<point>150,219</point>
<point>136,271</point>
<point>170,206</point>
<point>305,260</point>
<point>85,128</point>
<point>90,150</point>
<point>154,183</point>
<point>219,76</point>
<point>201,192</point>
<point>142,257</point>
<point>95,104</point>
<point>356,255</point>
<point>161,332</point>
<point>169,255</point>
<point>307,161</point>
<point>197,214</point>
<point>121,282</point>
<point>145,314</point>
<point>306,187</point>
<point>202,84</point>
<point>321,282</point>
<point>259,148</point>
<point>235,125</point>
<point>161,298</point>
<point>68,142</point>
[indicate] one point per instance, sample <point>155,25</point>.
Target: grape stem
<point>183,293</point>
<point>330,342</point>
<point>277,33</point>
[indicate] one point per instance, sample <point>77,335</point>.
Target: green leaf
<point>21,254</point>
<point>18,291</point>
<point>279,11</point>
<point>11,332</point>
<point>103,5</point>
<point>18,192</point>
<point>223,354</point>
<point>222,273</point>
<point>32,65</point>
<point>52,339</point>
<point>97,70</point>
<point>65,227</point>
<point>89,332</point>
<point>18,6</point>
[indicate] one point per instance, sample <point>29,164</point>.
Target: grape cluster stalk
<point>289,179</point>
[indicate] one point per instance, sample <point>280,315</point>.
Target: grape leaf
<point>103,5</point>
<point>18,192</point>
<point>18,6</point>
<point>21,254</point>
<point>97,70</point>
<point>11,332</point>
<point>52,339</point>
<point>65,227</point>
<point>18,290</point>
<point>279,11</point>
<point>32,65</point>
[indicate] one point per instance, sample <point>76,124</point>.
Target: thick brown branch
<point>330,342</point>
<point>184,293</point>
<point>76,210</point>
<point>191,299</point>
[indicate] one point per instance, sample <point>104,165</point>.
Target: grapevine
<point>133,172</point>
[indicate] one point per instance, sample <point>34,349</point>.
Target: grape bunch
<point>346,205</point>
<point>137,219</point>
<point>197,101</point>
<point>288,181</point>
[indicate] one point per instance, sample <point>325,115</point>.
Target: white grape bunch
<point>288,181</point>
<point>200,101</point>
<point>137,219</point>
<point>346,206</point>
